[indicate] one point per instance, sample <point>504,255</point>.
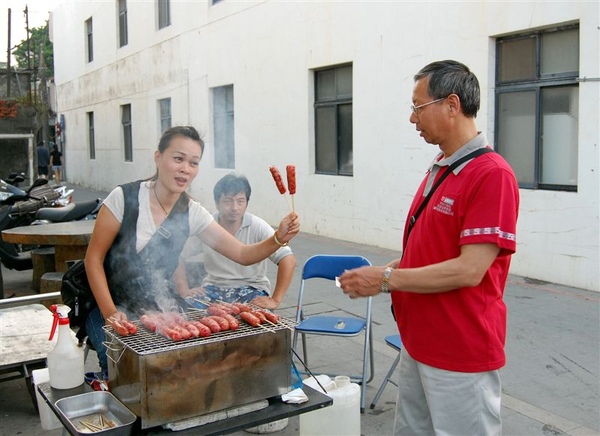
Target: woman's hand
<point>116,316</point>
<point>288,228</point>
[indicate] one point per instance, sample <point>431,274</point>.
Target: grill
<point>163,381</point>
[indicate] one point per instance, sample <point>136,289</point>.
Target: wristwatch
<point>385,280</point>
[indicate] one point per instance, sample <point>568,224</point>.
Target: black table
<point>275,411</point>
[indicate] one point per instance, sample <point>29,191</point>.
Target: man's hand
<point>193,292</point>
<point>265,302</point>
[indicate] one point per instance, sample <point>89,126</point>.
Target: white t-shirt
<point>199,217</point>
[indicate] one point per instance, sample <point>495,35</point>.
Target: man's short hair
<point>231,184</point>
<point>451,77</point>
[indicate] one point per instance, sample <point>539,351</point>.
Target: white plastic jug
<point>65,361</point>
<point>342,418</point>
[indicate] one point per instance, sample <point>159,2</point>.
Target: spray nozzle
<point>60,313</point>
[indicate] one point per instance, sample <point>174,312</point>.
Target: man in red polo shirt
<point>447,289</point>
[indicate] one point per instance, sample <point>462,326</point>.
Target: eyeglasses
<point>415,109</point>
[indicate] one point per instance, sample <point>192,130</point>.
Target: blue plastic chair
<point>329,267</point>
<point>395,342</point>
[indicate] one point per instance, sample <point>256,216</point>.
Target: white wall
<point>267,50</point>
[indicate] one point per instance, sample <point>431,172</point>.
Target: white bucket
<point>48,418</point>
<point>342,418</point>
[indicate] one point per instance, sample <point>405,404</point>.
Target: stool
<point>395,342</point>
<point>43,262</point>
<point>51,282</point>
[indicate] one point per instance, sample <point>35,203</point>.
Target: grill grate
<point>145,342</point>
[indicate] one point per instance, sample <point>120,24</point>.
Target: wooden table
<point>24,343</point>
<point>69,239</point>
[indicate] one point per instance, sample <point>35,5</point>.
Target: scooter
<point>85,210</point>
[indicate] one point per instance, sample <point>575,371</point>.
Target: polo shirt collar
<point>480,141</point>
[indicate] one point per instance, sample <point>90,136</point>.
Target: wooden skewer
<point>293,206</point>
<point>288,202</point>
<point>90,426</point>
<point>266,328</point>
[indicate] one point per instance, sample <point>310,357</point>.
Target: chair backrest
<point>330,266</point>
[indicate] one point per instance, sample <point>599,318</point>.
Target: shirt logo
<point>445,206</point>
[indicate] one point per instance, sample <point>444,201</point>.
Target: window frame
<point>337,102</point>
<point>127,126</point>
<point>224,146</point>
<point>165,118</point>
<point>536,84</point>
<point>163,13</point>
<point>91,136</point>
<point>89,40</point>
<point>123,28</point>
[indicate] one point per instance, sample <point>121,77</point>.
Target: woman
<point>140,232</point>
<point>56,163</point>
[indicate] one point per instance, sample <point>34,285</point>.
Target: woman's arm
<point>225,243</point>
<point>105,231</point>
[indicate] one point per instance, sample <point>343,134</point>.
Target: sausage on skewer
<point>278,180</point>
<point>291,178</point>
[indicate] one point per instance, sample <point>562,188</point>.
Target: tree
<point>37,36</point>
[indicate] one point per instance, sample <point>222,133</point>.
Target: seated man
<point>229,281</point>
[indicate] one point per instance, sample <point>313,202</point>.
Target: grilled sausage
<point>169,333</point>
<point>271,317</point>
<point>278,180</point>
<point>233,323</point>
<point>249,318</point>
<point>149,322</point>
<point>291,178</point>
<point>202,329</point>
<point>131,327</point>
<point>242,307</point>
<point>259,315</point>
<point>119,328</point>
<point>223,323</point>
<point>192,329</point>
<point>217,310</point>
<point>211,324</point>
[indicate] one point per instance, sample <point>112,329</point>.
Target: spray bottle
<point>65,361</point>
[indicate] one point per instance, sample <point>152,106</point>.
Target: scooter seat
<point>70,212</point>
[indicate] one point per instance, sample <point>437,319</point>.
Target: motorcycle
<point>35,206</point>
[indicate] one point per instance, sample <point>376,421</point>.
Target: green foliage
<point>37,36</point>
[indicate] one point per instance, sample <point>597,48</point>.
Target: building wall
<point>268,50</point>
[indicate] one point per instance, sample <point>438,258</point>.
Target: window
<point>333,121</point>
<point>224,133</point>
<point>89,35</point>
<point>91,136</point>
<point>127,133</point>
<point>164,13</point>
<point>537,107</point>
<point>122,23</point>
<point>164,109</point>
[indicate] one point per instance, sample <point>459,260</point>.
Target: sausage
<point>211,324</point>
<point>202,329</point>
<point>217,310</point>
<point>249,318</point>
<point>192,329</point>
<point>291,178</point>
<point>183,332</point>
<point>149,322</point>
<point>233,323</point>
<point>131,327</point>
<point>259,315</point>
<point>119,328</point>
<point>242,307</point>
<point>271,317</point>
<point>278,180</point>
<point>169,333</point>
<point>223,323</point>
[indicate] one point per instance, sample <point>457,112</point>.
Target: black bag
<point>76,294</point>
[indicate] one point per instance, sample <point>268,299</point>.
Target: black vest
<point>144,281</point>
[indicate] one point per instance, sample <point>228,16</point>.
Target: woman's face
<point>178,164</point>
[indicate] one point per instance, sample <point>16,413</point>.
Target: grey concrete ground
<point>550,384</point>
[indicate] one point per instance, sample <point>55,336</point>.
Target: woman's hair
<point>168,135</point>
<point>232,184</point>
<point>452,77</point>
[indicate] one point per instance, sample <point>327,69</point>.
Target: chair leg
<point>388,378</point>
<point>368,360</point>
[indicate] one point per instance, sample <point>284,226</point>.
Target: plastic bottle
<point>342,417</point>
<point>65,361</point>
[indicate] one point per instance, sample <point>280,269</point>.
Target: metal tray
<point>89,407</point>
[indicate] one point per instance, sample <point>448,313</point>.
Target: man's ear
<point>454,104</point>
